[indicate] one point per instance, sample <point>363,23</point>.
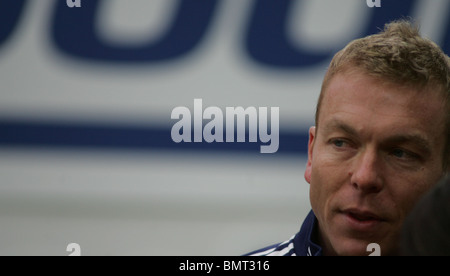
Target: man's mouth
<point>361,220</point>
<point>362,216</point>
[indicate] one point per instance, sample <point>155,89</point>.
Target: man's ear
<point>308,170</point>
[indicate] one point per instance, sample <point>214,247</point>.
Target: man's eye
<point>338,143</point>
<point>399,153</point>
<point>403,154</point>
<point>342,144</point>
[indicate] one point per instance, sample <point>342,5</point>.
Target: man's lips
<point>361,215</point>
<point>361,220</point>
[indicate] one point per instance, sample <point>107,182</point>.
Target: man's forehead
<point>357,84</point>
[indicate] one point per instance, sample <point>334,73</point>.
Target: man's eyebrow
<point>339,125</point>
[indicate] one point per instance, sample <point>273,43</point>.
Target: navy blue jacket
<point>301,244</point>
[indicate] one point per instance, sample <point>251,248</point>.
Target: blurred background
<point>86,96</point>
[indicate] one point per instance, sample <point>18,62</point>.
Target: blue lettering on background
<point>74,33</point>
<point>10,15</point>
<point>265,39</point>
<point>446,43</point>
<point>391,10</point>
<point>268,44</point>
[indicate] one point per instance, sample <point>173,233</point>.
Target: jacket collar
<point>305,243</point>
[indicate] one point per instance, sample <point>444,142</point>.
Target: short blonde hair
<point>400,55</point>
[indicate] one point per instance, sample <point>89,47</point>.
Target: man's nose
<point>366,172</point>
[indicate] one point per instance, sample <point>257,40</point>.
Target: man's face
<point>378,148</point>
